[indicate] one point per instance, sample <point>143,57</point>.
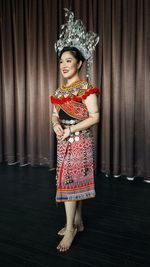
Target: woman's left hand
<point>65,134</point>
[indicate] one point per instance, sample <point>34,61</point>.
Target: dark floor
<point>117,222</point>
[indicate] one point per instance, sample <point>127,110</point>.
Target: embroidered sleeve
<point>84,93</point>
<point>54,97</point>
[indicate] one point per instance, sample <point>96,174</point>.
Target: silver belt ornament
<point>74,137</point>
<point>69,122</point>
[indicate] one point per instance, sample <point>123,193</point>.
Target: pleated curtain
<point>29,74</point>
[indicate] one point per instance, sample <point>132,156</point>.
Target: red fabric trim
<point>74,98</point>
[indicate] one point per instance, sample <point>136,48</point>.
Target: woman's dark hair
<point>74,51</point>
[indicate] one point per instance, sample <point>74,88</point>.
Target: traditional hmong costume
<point>75,166</point>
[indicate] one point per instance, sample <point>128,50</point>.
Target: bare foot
<point>80,228</point>
<point>67,240</point>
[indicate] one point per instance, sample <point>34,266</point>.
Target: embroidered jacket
<point>70,99</point>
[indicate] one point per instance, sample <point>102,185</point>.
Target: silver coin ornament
<point>76,138</point>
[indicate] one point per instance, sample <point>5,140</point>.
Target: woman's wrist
<point>70,128</point>
<point>54,124</point>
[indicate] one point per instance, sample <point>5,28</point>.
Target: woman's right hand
<point>58,130</point>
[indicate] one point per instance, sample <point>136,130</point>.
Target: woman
<point>75,111</point>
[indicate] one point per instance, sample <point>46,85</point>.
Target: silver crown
<point>73,34</point>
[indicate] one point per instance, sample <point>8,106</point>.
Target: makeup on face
<point>68,65</point>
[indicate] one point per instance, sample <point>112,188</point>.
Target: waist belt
<point>69,122</point>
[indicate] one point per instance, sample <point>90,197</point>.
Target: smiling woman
<point>75,111</point>
<point>72,55</point>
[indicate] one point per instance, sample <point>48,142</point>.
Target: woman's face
<point>69,65</point>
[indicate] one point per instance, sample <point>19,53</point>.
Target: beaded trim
<point>72,85</point>
<point>74,88</point>
<point>60,101</point>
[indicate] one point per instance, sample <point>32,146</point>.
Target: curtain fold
<point>29,74</point>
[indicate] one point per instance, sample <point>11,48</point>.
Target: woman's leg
<point>77,221</point>
<point>78,216</point>
<point>70,208</point>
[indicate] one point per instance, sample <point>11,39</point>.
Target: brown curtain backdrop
<point>29,73</point>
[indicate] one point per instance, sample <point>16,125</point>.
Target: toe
<point>62,249</point>
<point>59,246</point>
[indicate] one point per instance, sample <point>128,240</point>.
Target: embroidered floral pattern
<point>72,162</point>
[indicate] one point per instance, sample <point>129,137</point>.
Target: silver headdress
<point>73,34</point>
